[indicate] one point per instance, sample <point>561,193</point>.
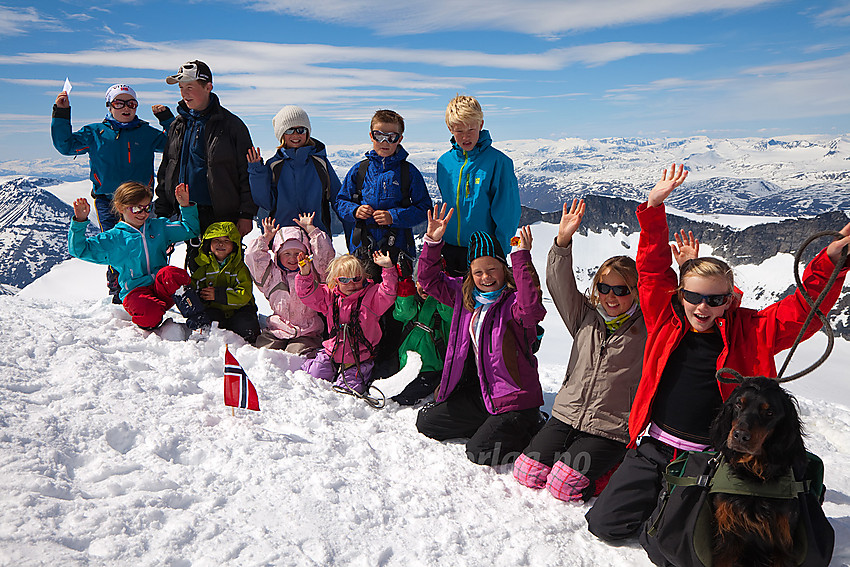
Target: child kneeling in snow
<point>224,282</point>
<point>353,307</point>
<point>426,328</point>
<point>273,262</point>
<point>137,247</point>
<point>490,391</point>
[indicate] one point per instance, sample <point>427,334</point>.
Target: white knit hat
<point>288,117</point>
<point>118,89</point>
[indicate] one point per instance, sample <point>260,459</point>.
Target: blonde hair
<point>624,267</point>
<point>387,117</point>
<point>463,109</point>
<point>706,267</point>
<point>129,194</point>
<point>469,285</point>
<point>347,266</point>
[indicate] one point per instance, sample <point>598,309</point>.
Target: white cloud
<point>18,21</point>
<point>837,16</point>
<point>536,17</point>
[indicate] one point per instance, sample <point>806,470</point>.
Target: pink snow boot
<point>530,473</point>
<point>565,483</point>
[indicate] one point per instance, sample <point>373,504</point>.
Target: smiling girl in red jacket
<point>695,327</point>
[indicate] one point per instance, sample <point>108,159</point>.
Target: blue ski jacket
<point>382,190</point>
<point>481,186</point>
<point>137,253</point>
<point>299,188</point>
<point>115,155</point>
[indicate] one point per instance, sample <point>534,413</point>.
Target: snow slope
<point>116,449</point>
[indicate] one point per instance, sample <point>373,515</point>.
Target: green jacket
<point>410,308</point>
<point>234,288</point>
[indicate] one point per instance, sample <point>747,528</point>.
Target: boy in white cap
<point>299,178</point>
<point>120,149</point>
<point>206,150</point>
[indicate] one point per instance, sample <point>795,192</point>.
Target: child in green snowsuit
<point>426,326</point>
<point>224,282</point>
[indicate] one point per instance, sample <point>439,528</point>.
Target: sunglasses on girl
<point>695,298</point>
<point>619,290</point>
<point>136,209</point>
<point>295,130</point>
<point>118,103</point>
<point>343,279</point>
<point>380,137</point>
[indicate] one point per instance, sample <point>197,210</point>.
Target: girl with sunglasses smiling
<point>298,179</point>
<point>587,434</point>
<point>353,307</point>
<point>120,148</point>
<point>694,327</point>
<point>137,246</point>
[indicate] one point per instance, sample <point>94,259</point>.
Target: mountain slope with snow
<point>116,449</point>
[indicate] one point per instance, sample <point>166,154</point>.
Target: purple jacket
<point>509,381</point>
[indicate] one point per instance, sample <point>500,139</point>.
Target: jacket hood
<point>290,233</point>
<point>216,230</point>
<point>484,142</point>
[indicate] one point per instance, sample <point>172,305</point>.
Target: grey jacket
<point>603,372</point>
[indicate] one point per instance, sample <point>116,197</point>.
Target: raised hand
<point>438,221</point>
<point>270,228</point>
<point>305,221</point>
<point>570,221</point>
<point>81,209</point>
<point>254,155</point>
<point>834,248</point>
<point>304,263</point>
<point>382,259</point>
<point>181,193</point>
<point>664,187</point>
<point>62,100</point>
<point>686,247</point>
<point>525,238</point>
<point>157,108</point>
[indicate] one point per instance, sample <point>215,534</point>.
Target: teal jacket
<point>115,155</point>
<point>481,186</point>
<point>430,313</point>
<point>231,279</point>
<point>137,254</point>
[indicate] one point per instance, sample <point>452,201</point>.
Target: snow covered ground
<point>116,449</point>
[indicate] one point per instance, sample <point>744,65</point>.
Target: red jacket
<point>751,338</point>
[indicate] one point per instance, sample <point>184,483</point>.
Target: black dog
<point>758,432</point>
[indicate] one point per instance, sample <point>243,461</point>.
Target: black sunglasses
<point>118,103</point>
<point>695,298</point>
<point>137,209</point>
<point>391,137</point>
<point>619,290</point>
<point>295,130</point>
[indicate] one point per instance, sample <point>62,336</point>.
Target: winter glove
<point>406,287</point>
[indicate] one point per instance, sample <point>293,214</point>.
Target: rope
<point>374,401</point>
<point>737,378</point>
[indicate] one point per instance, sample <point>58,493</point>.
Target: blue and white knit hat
<point>482,244</point>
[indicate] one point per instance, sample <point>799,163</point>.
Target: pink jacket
<point>377,299</point>
<point>290,318</point>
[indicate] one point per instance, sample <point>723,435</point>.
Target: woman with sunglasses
<point>120,148</point>
<point>298,179</point>
<point>694,327</point>
<point>137,246</point>
<point>353,307</point>
<point>588,431</point>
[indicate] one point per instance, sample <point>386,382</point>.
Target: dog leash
<point>737,378</point>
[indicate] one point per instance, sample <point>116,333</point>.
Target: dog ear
<point>722,423</point>
<point>785,444</point>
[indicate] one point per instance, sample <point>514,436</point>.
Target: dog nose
<point>740,435</point>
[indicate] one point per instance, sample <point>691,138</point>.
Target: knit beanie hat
<point>118,89</point>
<point>290,116</point>
<point>482,244</point>
<point>292,243</point>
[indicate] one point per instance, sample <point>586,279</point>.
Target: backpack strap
<point>325,179</point>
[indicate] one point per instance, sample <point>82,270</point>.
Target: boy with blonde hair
<point>478,181</point>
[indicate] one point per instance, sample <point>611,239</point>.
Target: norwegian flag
<point>239,392</point>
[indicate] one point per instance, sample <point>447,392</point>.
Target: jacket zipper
<point>459,178</point>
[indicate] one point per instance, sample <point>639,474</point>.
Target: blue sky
<point>541,68</point>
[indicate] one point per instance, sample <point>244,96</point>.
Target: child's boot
<point>192,308</point>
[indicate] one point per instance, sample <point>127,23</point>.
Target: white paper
<point>67,87</point>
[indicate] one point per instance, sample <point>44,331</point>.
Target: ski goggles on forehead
<point>137,209</point>
<point>343,279</point>
<point>618,290</point>
<point>391,137</point>
<point>118,103</point>
<point>295,130</point>
<point>695,298</point>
